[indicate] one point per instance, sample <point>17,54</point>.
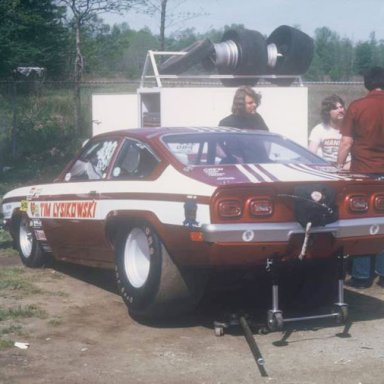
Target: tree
<point>30,33</point>
<point>364,57</point>
<point>167,18</point>
<point>134,56</point>
<point>82,12</point>
<point>326,50</point>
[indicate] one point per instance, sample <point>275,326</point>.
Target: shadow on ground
<point>252,298</point>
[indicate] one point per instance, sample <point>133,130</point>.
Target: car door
<point>72,219</point>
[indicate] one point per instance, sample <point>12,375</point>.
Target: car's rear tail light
<point>230,208</point>
<point>261,207</point>
<point>379,202</point>
<point>358,203</point>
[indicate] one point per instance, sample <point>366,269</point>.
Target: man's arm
<point>344,149</point>
<point>313,146</point>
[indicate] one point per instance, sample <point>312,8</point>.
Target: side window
<point>135,161</point>
<point>93,161</point>
<point>192,152</point>
<point>282,154</point>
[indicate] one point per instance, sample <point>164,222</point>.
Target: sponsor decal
<point>214,172</point>
<point>40,235</point>
<point>33,193</point>
<point>7,210</point>
<point>104,155</point>
<point>64,210</point>
<point>23,205</point>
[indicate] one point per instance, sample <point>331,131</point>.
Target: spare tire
<point>195,53</point>
<point>252,56</point>
<point>295,50</point>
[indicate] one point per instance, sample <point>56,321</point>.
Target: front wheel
<point>150,283</point>
<point>29,249</point>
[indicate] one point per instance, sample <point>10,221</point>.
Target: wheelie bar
<point>275,319</point>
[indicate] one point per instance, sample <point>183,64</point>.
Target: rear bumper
<point>351,229</point>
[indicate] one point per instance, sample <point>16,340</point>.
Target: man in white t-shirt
<point>325,137</point>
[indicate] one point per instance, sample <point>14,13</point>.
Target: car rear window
<point>237,148</point>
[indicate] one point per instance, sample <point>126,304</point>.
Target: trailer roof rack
<point>151,75</point>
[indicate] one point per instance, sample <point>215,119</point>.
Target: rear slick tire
<point>150,283</point>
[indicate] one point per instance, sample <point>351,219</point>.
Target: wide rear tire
<point>253,57</point>
<point>296,50</point>
<point>150,283</point>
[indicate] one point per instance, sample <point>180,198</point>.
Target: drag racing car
<point>165,207</point>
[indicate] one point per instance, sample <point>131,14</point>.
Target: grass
<point>5,237</point>
<point>16,280</point>
<point>6,334</point>
<point>11,329</point>
<point>5,343</point>
<point>14,315</point>
<point>22,312</point>
<point>55,322</point>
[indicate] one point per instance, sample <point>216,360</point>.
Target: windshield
<point>237,148</point>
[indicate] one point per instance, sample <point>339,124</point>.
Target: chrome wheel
<point>25,237</point>
<point>137,258</point>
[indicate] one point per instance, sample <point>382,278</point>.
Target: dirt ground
<point>87,336</point>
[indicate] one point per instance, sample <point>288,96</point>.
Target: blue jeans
<point>361,266</point>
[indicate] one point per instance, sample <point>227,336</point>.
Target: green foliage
<point>30,34</point>
<point>34,33</point>
<point>44,125</point>
<point>363,57</point>
<point>30,171</point>
<point>4,343</point>
<point>11,329</point>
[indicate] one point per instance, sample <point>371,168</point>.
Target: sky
<point>353,19</point>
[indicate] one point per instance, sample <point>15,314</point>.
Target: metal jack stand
<point>275,319</point>
<point>245,323</point>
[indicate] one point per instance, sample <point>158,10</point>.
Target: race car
<point>165,207</point>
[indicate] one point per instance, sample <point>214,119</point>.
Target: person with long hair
<point>325,137</point>
<point>244,110</point>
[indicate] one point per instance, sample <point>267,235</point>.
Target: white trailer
<point>284,109</point>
